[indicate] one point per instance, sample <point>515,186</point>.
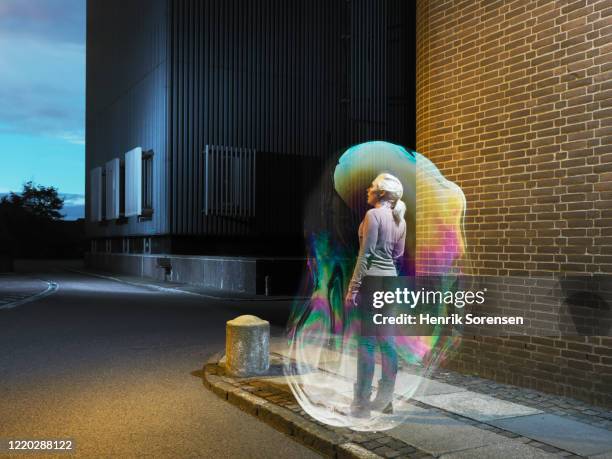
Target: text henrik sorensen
<point>453,319</point>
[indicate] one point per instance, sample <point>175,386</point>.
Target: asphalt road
<point>115,368</point>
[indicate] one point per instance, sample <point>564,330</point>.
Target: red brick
<point>537,97</point>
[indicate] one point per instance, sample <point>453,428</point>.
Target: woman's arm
<point>366,248</point>
<point>398,250</point>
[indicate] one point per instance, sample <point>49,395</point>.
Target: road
<point>115,368</point>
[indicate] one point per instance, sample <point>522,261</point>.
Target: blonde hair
<point>393,193</point>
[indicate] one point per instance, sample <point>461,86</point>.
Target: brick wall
<point>514,104</point>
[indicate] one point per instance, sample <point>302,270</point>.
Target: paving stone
<point>477,406</point>
<point>245,401</point>
<point>550,449</point>
<point>407,450</point>
<point>396,444</point>
<point>415,385</point>
<point>432,387</point>
<point>352,451</point>
<point>371,444</point>
<point>222,388</point>
<point>421,456</point>
<point>317,437</point>
<point>561,432</point>
<point>437,434</point>
<point>501,450</point>
<point>384,450</point>
<point>507,434</point>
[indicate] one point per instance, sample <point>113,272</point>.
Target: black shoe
<point>384,397</point>
<point>360,408</point>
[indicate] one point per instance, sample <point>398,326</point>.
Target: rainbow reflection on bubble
<point>322,332</point>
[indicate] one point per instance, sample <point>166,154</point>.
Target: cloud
<point>50,20</point>
<point>75,138</point>
<point>73,199</point>
<point>74,206</point>
<point>42,68</point>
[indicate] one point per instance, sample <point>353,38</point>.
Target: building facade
<point>207,123</point>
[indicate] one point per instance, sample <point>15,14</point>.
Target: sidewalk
<point>453,416</point>
<point>17,289</point>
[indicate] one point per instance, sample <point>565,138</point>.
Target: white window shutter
<point>95,194</point>
<point>113,169</point>
<point>133,182</point>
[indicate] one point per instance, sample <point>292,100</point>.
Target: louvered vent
<point>229,188</point>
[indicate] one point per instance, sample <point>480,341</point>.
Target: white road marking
<point>52,287</point>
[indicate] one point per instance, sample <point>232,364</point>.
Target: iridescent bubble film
<point>325,339</point>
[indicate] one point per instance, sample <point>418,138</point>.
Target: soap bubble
<point>324,336</point>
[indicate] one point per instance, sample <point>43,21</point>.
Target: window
<point>229,181</point>
<point>147,184</point>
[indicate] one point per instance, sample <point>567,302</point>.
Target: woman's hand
<point>351,299</point>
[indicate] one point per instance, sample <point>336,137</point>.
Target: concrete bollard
<point>247,346</point>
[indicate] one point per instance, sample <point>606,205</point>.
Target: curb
<point>52,287</point>
<point>308,433</point>
<point>278,408</point>
<point>161,288</point>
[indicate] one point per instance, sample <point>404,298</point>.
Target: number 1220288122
<point>38,445</point>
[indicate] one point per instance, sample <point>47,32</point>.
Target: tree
<point>31,225</point>
<point>39,201</point>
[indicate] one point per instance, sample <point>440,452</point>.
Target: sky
<point>42,97</point>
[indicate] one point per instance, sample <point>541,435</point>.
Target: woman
<point>382,236</point>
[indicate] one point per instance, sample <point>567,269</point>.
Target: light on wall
<point>113,177</point>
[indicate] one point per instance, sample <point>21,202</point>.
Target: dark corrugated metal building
<point>233,107</point>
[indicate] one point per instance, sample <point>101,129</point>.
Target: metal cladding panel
<point>113,182</point>
<point>127,103</point>
<point>95,194</point>
<point>133,182</point>
<point>299,80</point>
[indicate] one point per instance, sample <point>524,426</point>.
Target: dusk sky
<point>42,96</point>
